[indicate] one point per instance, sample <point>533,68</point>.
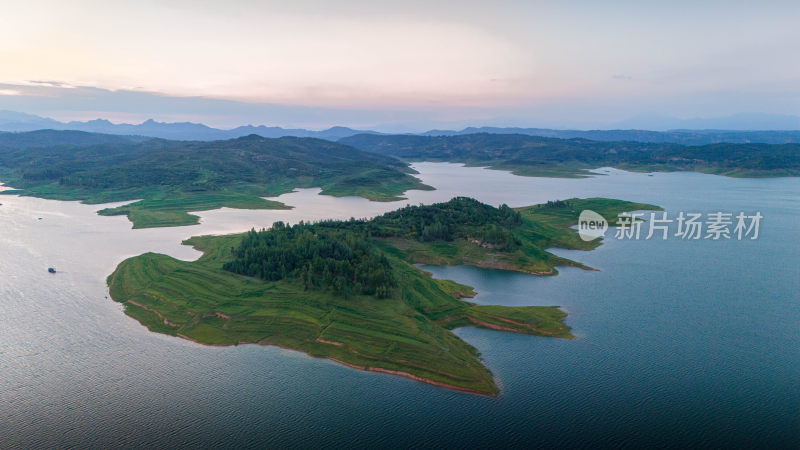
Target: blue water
<point>679,343</point>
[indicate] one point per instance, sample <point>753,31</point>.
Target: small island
<point>350,291</point>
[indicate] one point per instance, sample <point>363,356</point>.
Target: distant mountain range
<point>17,122</point>
<point>738,122</point>
<point>683,137</point>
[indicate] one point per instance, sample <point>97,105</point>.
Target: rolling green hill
<point>541,156</point>
<point>51,138</point>
<point>171,178</point>
<point>348,291</point>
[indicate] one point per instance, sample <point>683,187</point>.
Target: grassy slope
<point>49,138</point>
<point>407,333</point>
<point>552,223</point>
<point>172,210</point>
<point>173,178</point>
<point>543,227</point>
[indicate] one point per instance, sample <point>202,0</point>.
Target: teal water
<point>679,343</point>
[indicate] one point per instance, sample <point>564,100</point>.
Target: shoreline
<point>352,366</point>
<point>161,271</point>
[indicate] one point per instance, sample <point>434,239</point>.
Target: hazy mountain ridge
<point>734,122</point>
<point>20,122</point>
<point>683,137</point>
<point>11,121</point>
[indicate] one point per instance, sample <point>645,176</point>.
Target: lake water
<point>680,343</point>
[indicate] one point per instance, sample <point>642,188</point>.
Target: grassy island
<point>348,290</point>
<point>171,178</point>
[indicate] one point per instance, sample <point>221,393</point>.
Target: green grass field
<point>543,227</point>
<point>407,333</point>
<point>170,211</point>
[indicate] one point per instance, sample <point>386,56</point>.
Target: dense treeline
<point>555,204</point>
<point>342,257</point>
<point>461,217</point>
<point>323,258</point>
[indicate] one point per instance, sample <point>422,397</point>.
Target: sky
<point>399,65</point>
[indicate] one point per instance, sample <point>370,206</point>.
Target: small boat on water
<point>51,270</point>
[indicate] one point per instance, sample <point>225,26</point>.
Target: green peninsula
<point>348,290</point>
<point>572,158</point>
<point>168,179</point>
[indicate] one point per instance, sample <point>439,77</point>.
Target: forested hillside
<point>174,177</point>
<point>541,156</point>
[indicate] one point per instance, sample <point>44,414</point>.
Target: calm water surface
<point>679,343</point>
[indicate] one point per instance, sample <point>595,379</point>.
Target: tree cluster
<point>556,204</point>
<point>459,217</point>
<point>323,258</point>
